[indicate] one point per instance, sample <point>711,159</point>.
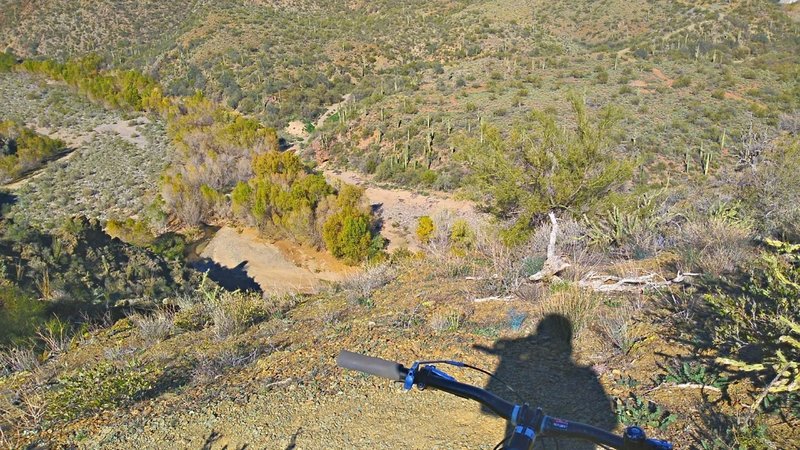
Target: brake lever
<point>412,374</point>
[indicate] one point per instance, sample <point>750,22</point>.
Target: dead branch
<point>554,264</point>
<point>610,283</point>
<point>278,383</point>
<point>496,298</point>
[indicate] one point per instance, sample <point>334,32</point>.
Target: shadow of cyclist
<point>540,369</point>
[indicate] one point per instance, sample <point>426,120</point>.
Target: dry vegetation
<point>663,134</point>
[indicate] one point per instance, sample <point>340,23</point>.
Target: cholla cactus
<point>786,369</point>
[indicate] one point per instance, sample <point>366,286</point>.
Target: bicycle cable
<point>469,366</point>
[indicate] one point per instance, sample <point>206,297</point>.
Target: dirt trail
<point>400,209</point>
<point>297,128</point>
<point>278,267</point>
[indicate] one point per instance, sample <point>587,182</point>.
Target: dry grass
<point>359,287</point>
<point>18,359</point>
<point>209,368</point>
<point>617,325</point>
<point>233,312</point>
<point>716,246</point>
<point>579,306</point>
<point>154,327</point>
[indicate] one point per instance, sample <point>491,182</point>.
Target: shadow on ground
<point>229,278</point>
<point>539,367</point>
<point>214,437</point>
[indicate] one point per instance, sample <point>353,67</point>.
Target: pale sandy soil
<point>297,128</point>
<point>278,267</point>
<point>127,132</point>
<point>400,209</point>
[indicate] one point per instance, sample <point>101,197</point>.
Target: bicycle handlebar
<point>371,365</point>
<point>429,376</point>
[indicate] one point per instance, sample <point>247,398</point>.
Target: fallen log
<point>611,283</point>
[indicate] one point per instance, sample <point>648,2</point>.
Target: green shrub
<point>347,235</point>
<point>682,81</point>
<point>543,167</point>
<point>22,149</point>
<point>132,231</point>
<point>7,61</point>
<point>20,314</point>
<point>771,189</point>
<point>637,411</point>
<point>462,237</point>
<point>425,229</point>
<point>100,387</point>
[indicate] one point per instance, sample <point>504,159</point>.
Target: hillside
<point>418,71</point>
<point>203,202</point>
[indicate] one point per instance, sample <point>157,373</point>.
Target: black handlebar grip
<point>374,366</point>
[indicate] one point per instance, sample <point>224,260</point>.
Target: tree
<point>542,166</point>
<point>347,235</point>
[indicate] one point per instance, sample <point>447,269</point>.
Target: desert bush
<point>579,306</point>
<point>617,325</point>
<point>209,367</point>
<point>154,327</point>
<point>717,243</point>
<point>682,82</point>
<point>233,312</point>
<point>22,149</point>
<point>347,235</point>
<point>57,336</point>
<point>753,314</point>
<point>360,286</point>
<point>192,316</point>
<point>425,229</point>
<point>27,410</point>
<point>99,387</point>
<point>633,229</point>
<point>771,190</point>
<point>462,236</point>
<point>7,61</point>
<point>348,230</point>
<point>18,359</point>
<point>132,231</point>
<point>763,314</point>
<point>790,123</point>
<point>20,314</point>
<point>543,167</point>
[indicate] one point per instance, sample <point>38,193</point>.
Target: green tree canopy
<point>543,166</point>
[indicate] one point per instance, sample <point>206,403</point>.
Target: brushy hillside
<point>662,137</point>
<point>106,175</point>
<point>686,74</point>
<point>237,369</point>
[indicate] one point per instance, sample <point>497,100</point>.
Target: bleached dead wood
<point>610,283</point>
<point>495,298</point>
<point>554,263</point>
<point>473,278</point>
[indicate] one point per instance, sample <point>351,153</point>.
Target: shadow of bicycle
<point>539,367</point>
